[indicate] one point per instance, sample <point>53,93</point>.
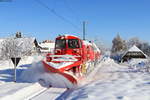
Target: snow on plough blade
<point>51,69</point>
<point>71,58</point>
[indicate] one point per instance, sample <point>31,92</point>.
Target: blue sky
<point>131,18</point>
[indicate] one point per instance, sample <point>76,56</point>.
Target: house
<point>47,47</point>
<point>133,52</point>
<point>26,43</point>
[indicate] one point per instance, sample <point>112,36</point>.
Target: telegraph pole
<point>83,30</point>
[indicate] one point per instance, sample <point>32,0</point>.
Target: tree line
<point>119,46</point>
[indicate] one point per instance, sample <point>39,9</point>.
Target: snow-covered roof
<point>23,39</point>
<point>26,41</point>
<point>47,47</point>
<point>31,39</point>
<point>134,49</point>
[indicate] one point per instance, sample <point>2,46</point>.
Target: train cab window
<point>73,43</point>
<point>60,44</point>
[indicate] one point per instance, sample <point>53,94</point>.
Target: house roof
<point>49,45</point>
<point>134,48</point>
<point>24,40</point>
<point>46,47</point>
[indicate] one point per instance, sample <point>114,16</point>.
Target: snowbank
<point>33,73</point>
<point>139,65</point>
<point>114,82</point>
<point>36,73</point>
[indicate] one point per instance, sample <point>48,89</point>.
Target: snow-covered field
<point>109,81</point>
<point>27,86</point>
<point>19,90</point>
<point>115,82</point>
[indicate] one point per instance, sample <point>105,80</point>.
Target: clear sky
<point>131,18</point>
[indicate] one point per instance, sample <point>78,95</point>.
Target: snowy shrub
<point>15,47</point>
<point>139,65</point>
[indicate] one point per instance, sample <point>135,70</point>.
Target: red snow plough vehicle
<point>72,60</point>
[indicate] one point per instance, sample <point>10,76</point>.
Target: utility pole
<point>83,30</point>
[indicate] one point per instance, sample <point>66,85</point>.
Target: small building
<point>133,52</point>
<point>47,47</point>
<point>29,44</point>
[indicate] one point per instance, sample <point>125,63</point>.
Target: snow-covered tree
<point>144,46</point>
<point>134,41</point>
<point>9,48</point>
<point>118,48</point>
<point>119,44</point>
<point>15,47</point>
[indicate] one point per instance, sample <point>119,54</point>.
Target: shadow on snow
<point>7,75</point>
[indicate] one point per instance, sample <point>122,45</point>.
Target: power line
<point>67,5</point>
<point>56,14</point>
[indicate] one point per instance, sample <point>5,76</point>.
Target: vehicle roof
<point>67,37</point>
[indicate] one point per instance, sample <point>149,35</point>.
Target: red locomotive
<point>73,58</point>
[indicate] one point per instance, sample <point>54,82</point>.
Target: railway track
<point>37,94</point>
<point>32,92</point>
<point>48,94</point>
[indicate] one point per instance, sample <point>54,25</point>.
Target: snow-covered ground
<point>19,90</point>
<point>27,86</point>
<point>109,81</point>
<point>114,82</point>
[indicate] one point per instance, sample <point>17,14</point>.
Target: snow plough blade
<point>50,69</point>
